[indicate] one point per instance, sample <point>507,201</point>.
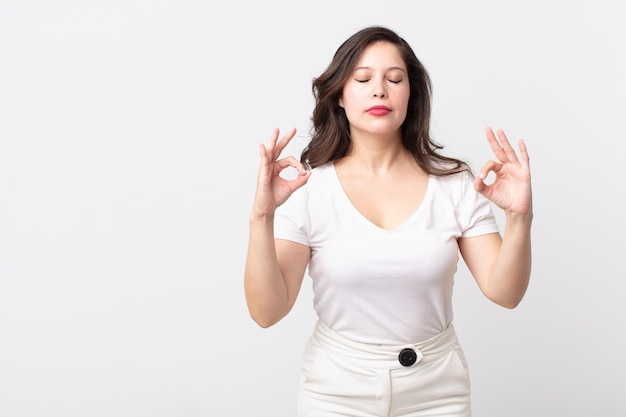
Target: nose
<point>379,89</point>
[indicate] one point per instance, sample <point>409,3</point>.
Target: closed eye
<point>366,80</point>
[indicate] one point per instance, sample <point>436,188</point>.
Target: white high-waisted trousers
<point>341,377</point>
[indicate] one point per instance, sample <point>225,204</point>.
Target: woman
<point>378,216</point>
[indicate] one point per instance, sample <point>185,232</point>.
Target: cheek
<point>346,97</point>
<point>405,106</point>
<point>404,99</point>
<point>405,96</point>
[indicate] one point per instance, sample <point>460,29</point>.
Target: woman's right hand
<point>272,189</point>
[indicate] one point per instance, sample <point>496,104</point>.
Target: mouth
<point>378,110</point>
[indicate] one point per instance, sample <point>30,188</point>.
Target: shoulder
<point>320,176</point>
<point>325,169</point>
<point>458,190</point>
<point>315,187</point>
<point>455,185</point>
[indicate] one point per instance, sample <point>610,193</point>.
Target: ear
<point>340,102</point>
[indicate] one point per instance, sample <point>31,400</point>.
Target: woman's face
<point>376,96</point>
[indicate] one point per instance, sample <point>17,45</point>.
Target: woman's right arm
<point>274,268</point>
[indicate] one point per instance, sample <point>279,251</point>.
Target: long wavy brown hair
<point>331,131</point>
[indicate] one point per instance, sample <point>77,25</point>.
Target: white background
<point>128,157</point>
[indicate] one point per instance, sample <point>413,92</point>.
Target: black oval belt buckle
<point>407,357</point>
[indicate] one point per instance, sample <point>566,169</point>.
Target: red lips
<point>378,110</point>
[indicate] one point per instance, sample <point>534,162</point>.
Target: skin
<point>379,176</point>
<point>379,79</point>
<point>384,183</point>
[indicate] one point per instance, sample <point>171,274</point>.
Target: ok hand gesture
<point>272,189</point>
<point>511,189</point>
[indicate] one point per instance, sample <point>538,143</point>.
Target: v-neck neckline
<point>353,208</point>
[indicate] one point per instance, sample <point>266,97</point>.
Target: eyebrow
<point>388,69</point>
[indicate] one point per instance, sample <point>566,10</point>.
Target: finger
<point>290,161</point>
<point>264,162</point>
<point>523,152</point>
<point>284,141</point>
<point>271,144</point>
<point>266,152</point>
<point>479,184</point>
<point>299,181</point>
<point>496,148</point>
<point>506,145</point>
<point>489,166</point>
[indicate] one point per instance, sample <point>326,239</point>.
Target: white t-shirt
<point>383,286</point>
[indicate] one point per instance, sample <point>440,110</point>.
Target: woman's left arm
<point>501,265</point>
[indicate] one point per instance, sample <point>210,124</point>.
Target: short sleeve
<point>291,219</point>
<point>475,212</point>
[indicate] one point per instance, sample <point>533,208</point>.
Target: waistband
<point>384,356</point>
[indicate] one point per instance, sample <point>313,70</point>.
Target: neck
<point>376,153</point>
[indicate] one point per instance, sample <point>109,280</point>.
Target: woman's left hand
<point>511,189</point>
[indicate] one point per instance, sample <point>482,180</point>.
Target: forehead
<point>381,54</point>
